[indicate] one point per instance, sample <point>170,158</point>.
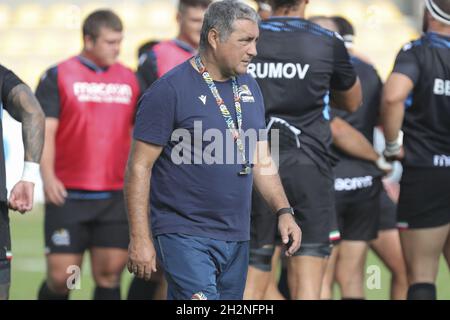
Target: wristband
<point>393,148</point>
<point>282,211</point>
<point>31,172</point>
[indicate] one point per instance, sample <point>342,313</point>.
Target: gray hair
<point>221,16</point>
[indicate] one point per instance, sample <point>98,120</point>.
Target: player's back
<point>427,118</point>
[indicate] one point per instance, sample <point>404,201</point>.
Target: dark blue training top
<point>199,199</point>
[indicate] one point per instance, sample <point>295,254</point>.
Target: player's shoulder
<point>296,24</point>
<point>413,45</point>
<point>50,74</point>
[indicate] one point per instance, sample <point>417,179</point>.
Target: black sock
<point>107,293</point>
<point>283,284</point>
<point>142,290</point>
<point>422,291</point>
<point>46,294</point>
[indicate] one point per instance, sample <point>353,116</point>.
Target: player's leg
<point>66,238</point>
<point>109,246</point>
<point>326,292</point>
<point>350,268</point>
<point>424,217</point>
<point>359,225</point>
<point>422,249</point>
<point>107,267</point>
<point>262,245</point>
<point>388,248</point>
<point>311,193</point>
<point>272,292</point>
<point>148,290</point>
<point>447,250</point>
<point>5,252</point>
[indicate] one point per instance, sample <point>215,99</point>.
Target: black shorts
<point>424,198</point>
<point>388,212</point>
<point>310,193</point>
<point>5,235</point>
<point>358,212</point>
<point>81,224</point>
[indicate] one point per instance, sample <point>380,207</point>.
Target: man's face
<point>106,48</point>
<point>236,52</point>
<point>190,21</point>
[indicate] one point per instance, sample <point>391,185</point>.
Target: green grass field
<point>28,267</point>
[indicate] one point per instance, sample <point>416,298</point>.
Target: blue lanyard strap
<point>224,110</point>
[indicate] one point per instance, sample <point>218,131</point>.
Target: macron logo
<point>103,92</point>
<point>203,99</point>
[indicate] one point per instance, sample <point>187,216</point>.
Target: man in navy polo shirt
<point>200,204</point>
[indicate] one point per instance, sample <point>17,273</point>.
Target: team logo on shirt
<point>99,92</point>
<point>203,99</point>
<point>199,296</point>
<point>245,94</point>
<point>61,237</point>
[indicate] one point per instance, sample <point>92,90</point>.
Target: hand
<point>383,165</point>
<point>21,197</point>
<point>289,230</point>
<point>394,157</point>
<point>141,258</point>
<point>55,192</point>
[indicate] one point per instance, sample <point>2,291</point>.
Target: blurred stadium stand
<point>39,33</point>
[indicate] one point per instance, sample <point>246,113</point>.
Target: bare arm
<point>142,257</point>
<point>24,107</point>
<point>54,190</point>
<point>268,183</point>
<point>395,93</point>
<point>351,141</point>
<point>349,100</point>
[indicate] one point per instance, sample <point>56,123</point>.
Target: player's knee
<point>108,277</point>
<point>261,258</point>
<point>57,281</point>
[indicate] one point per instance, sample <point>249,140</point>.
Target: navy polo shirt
<point>195,186</point>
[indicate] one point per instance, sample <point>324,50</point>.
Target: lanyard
<point>226,113</point>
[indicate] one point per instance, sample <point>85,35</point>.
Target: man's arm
<point>24,107</point>
<point>349,100</point>
<point>141,252</point>
<point>354,143</point>
<point>268,183</point>
<point>395,92</point>
<point>55,192</point>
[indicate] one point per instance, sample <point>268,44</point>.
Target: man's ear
<point>88,42</point>
<point>213,38</point>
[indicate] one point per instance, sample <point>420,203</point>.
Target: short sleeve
<point>147,72</point>
<point>407,64</point>
<point>155,118</point>
<point>344,74</point>
<point>9,81</point>
<point>47,93</point>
